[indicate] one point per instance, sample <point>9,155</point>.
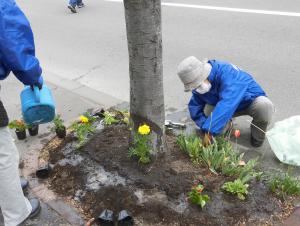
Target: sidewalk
<point>70,103</point>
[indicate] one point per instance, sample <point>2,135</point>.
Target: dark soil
<point>154,194</point>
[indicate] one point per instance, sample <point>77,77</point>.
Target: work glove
<point>38,83</point>
<point>207,139</point>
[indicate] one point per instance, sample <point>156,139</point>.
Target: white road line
<point>239,10</point>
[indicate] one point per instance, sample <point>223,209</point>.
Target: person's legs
<point>80,4</point>
<point>14,205</point>
<point>261,110</point>
<point>72,5</point>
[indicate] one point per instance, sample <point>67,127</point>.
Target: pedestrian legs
<point>14,205</point>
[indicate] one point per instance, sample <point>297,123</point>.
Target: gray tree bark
<point>143,23</point>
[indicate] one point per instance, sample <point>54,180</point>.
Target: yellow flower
<point>144,129</point>
<point>83,119</point>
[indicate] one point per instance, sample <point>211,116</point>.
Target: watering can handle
<point>37,93</point>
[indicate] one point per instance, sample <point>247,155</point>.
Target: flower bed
<point>102,175</point>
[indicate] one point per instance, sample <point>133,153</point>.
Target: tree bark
<point>143,23</point>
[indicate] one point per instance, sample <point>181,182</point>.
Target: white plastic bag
<point>284,139</point>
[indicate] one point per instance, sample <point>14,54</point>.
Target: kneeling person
<point>220,91</point>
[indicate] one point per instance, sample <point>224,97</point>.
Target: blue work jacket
<point>232,90</point>
<point>17,51</point>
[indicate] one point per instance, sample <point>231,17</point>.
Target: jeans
<point>14,205</point>
<point>75,2</point>
<point>261,110</point>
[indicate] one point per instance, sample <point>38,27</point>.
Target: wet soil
<point>102,176</point>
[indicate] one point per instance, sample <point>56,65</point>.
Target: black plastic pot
<point>21,134</point>
<point>33,130</point>
<point>106,218</point>
<point>43,171</point>
<point>125,219</point>
<point>61,133</point>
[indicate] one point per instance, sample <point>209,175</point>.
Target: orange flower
<point>199,188</point>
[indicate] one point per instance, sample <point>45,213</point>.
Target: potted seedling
<point>20,128</point>
<point>59,127</point>
<point>33,130</point>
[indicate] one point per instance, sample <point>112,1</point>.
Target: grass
<point>284,185</point>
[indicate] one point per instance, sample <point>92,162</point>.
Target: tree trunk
<point>143,23</point>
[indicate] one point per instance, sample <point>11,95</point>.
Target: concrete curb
<point>88,93</point>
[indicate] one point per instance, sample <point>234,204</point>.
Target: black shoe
<point>36,207</point>
<point>256,143</point>
<point>125,219</point>
<point>24,183</point>
<point>106,218</point>
<point>72,8</point>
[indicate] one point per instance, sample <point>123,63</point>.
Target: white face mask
<point>204,87</point>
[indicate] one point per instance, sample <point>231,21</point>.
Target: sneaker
<point>36,207</point>
<point>72,8</point>
<point>24,183</point>
<point>81,5</point>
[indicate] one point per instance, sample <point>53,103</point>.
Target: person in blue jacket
<point>221,91</point>
<point>73,3</point>
<point>17,55</point>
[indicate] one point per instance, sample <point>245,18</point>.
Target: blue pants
<point>75,2</point>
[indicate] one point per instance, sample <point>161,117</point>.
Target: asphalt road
<point>90,47</point>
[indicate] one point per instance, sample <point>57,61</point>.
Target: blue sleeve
<point>17,43</point>
<point>196,107</point>
<point>231,93</point>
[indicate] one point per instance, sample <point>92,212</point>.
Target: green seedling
<point>109,118</point>
<point>191,145</point>
<point>58,124</point>
<point>195,196</point>
<point>236,187</point>
<point>18,125</point>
